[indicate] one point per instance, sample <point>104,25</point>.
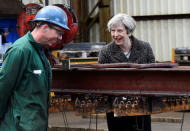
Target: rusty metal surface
<point>124,91</point>
<point>126,65</point>
<point>123,105</point>
<point>118,81</point>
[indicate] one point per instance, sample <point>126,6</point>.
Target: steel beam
<point>123,81</point>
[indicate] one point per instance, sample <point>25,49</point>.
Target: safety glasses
<point>58,31</point>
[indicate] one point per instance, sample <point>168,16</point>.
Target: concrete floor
<point>170,121</point>
<point>57,120</point>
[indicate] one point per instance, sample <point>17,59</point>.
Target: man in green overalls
<point>25,76</point>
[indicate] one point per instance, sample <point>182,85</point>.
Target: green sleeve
<point>10,74</point>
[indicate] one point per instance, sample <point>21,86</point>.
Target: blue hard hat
<point>54,15</point>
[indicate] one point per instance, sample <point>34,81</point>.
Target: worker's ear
<point>45,27</point>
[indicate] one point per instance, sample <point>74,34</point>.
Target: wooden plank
<point>104,16</point>
<point>82,25</point>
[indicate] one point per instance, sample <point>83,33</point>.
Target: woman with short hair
<point>126,48</point>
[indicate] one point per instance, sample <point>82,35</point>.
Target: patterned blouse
<point>140,53</point>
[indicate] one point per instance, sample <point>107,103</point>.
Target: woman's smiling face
<point>119,34</point>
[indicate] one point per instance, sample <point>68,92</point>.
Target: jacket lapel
<point>117,53</point>
<point>135,50</point>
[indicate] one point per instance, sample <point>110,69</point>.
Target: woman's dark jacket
<point>141,53</point>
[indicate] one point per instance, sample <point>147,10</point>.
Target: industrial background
<point>163,23</point>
